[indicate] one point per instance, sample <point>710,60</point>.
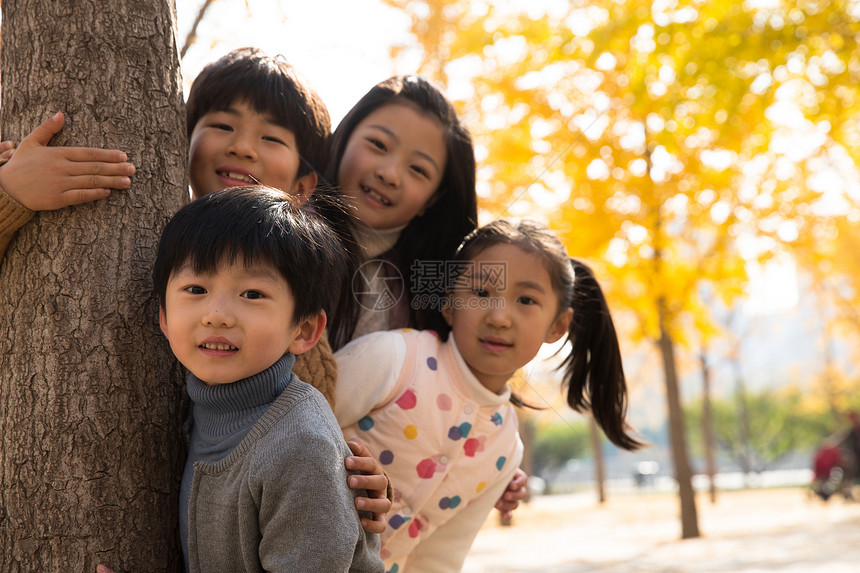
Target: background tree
<point>558,442</point>
<point>89,392</point>
<point>779,425</point>
<point>654,137</point>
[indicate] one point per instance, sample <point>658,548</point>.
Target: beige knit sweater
<point>318,368</point>
<point>13,216</point>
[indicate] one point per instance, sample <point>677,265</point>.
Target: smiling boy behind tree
<point>242,278</point>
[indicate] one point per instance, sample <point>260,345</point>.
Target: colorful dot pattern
<point>440,447</point>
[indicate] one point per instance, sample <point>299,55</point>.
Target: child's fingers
<point>364,464</point>
<point>520,480</point>
<point>98,182</point>
<point>6,146</point>
<point>506,506</point>
<point>376,505</point>
<point>46,130</point>
<point>374,525</point>
<point>515,494</point>
<point>375,484</point>
<point>78,196</point>
<point>93,155</point>
<point>358,448</point>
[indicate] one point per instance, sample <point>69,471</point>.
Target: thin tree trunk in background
<point>599,466</point>
<point>683,474</point>
<point>90,396</point>
<point>745,453</point>
<point>708,428</point>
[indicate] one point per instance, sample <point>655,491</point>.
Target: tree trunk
<point>90,396</point>
<point>708,428</point>
<point>599,467</point>
<point>683,474</point>
<point>745,450</point>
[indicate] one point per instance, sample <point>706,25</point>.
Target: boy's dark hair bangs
<point>270,86</point>
<point>258,226</point>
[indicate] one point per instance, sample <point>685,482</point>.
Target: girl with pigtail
<point>436,408</point>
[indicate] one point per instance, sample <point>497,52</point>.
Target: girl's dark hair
<point>593,370</point>
<point>257,225</point>
<point>433,236</point>
<point>270,86</point>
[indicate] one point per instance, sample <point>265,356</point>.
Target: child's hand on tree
<point>374,480</point>
<point>46,178</point>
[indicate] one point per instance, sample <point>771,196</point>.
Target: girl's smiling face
<point>392,165</point>
<point>502,310</point>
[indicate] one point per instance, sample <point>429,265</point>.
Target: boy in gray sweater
<point>244,279</point>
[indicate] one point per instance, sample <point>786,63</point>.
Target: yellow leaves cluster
<point>661,140</point>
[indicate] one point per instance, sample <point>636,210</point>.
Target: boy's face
<point>239,146</point>
<point>233,323</point>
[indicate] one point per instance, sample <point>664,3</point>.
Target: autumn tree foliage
<point>669,142</point>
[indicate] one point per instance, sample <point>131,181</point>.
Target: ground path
<point>749,531</point>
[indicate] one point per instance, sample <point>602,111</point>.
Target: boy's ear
<point>304,187</point>
<point>162,320</point>
<point>559,326</point>
<point>308,333</point>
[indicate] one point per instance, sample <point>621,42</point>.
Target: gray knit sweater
<point>265,486</point>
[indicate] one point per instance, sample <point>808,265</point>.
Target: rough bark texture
<point>90,396</point>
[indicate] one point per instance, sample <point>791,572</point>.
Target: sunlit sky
<point>341,48</point>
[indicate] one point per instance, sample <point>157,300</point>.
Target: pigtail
<point>593,371</point>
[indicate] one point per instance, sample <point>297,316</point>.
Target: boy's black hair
<point>271,86</point>
<point>258,225</point>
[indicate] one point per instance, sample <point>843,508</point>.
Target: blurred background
<point>700,156</point>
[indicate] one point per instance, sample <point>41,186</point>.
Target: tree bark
<point>683,474</point>
<point>90,395</point>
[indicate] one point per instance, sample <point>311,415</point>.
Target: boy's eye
<point>222,126</point>
<point>526,300</point>
<point>274,140</point>
<point>195,289</point>
<point>252,294</point>
<point>480,292</point>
